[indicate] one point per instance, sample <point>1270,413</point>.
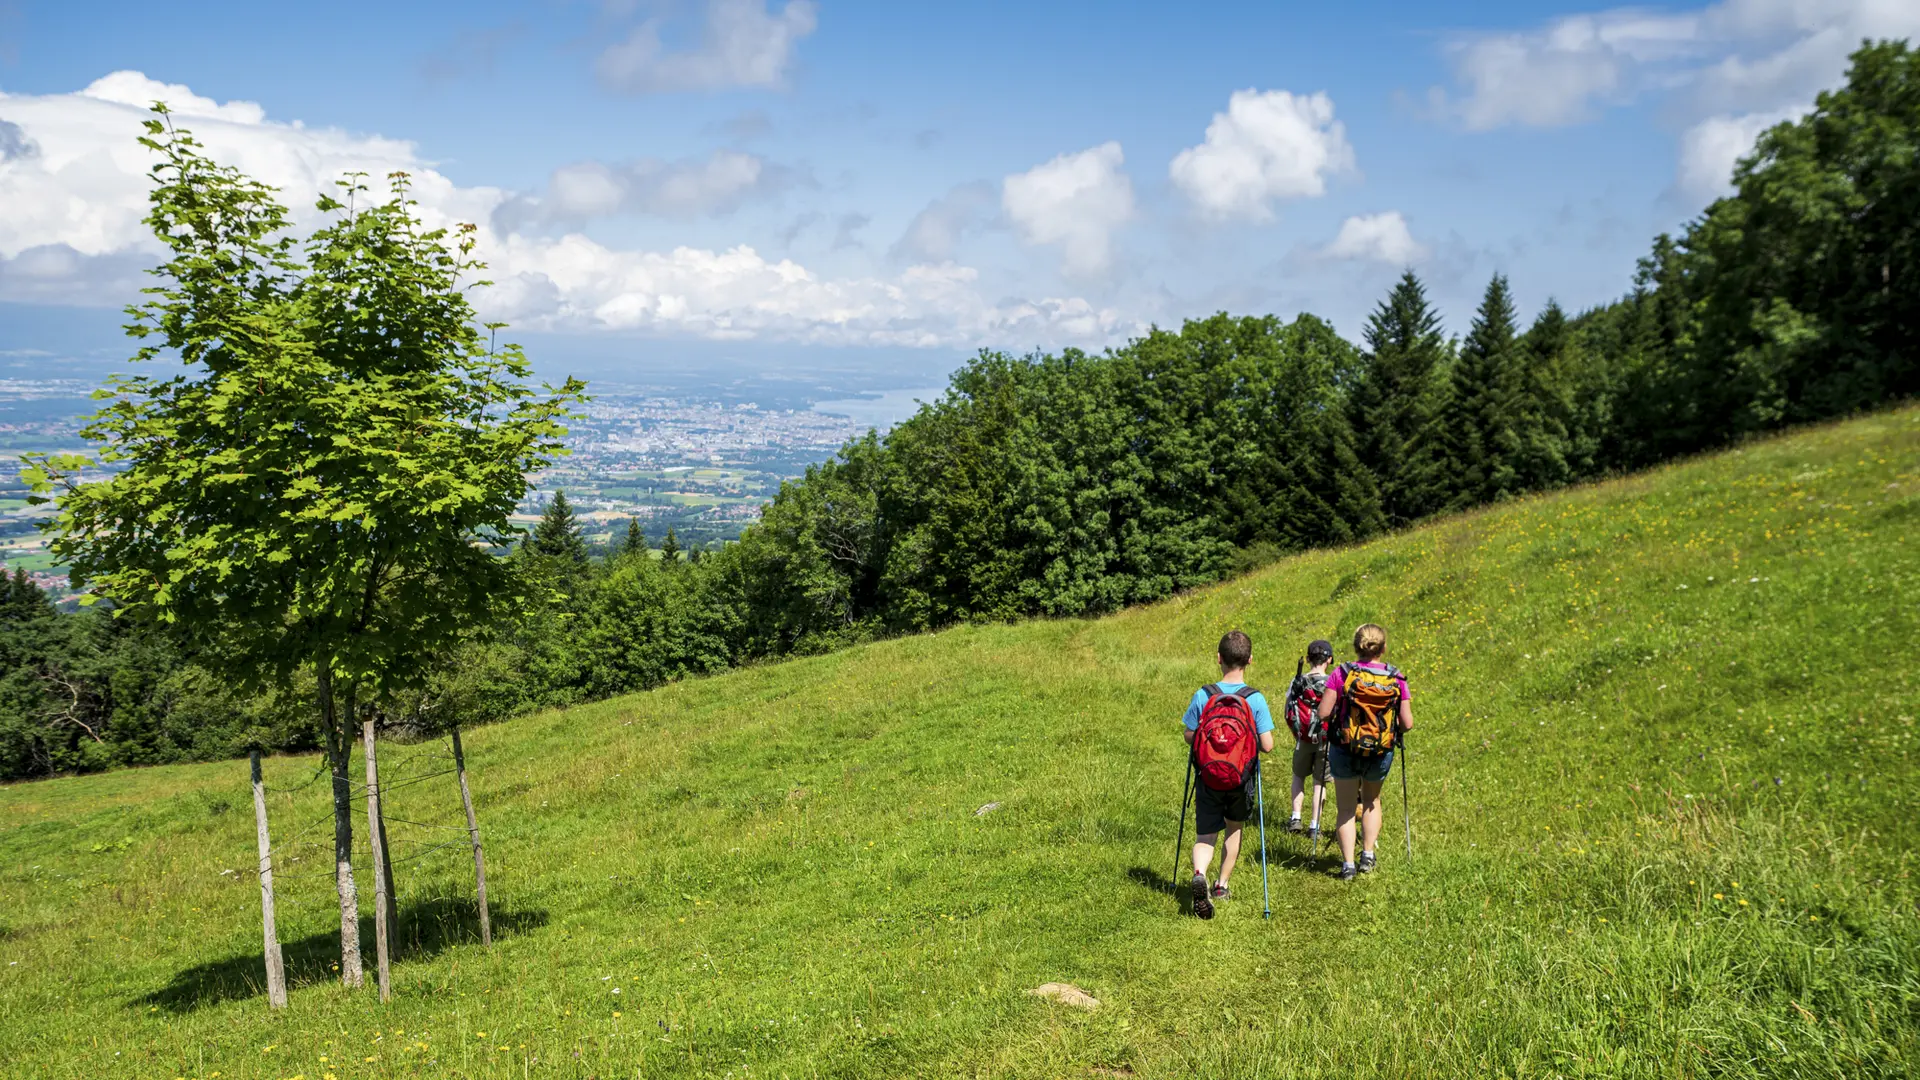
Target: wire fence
<point>304,863</point>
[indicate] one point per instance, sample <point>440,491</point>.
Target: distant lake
<point>881,410</point>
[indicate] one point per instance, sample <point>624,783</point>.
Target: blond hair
<point>1369,642</point>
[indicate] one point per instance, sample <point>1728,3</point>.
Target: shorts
<point>1213,809</point>
<point>1310,759</point>
<point>1345,766</point>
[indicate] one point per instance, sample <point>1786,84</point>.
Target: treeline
<point>1075,484</point>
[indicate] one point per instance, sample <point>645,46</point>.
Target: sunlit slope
<point>1663,798</point>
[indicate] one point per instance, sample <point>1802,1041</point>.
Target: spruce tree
<point>558,534</point>
<point>1540,403</point>
<point>1400,389</point>
<point>636,542</point>
<point>1475,434</point>
<point>670,547</point>
<point>21,599</point>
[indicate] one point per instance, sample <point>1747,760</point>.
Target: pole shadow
<point>426,929</point>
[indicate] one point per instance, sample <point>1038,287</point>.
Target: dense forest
<point>1074,483</point>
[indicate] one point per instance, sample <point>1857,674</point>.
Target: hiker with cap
<point>1309,734</point>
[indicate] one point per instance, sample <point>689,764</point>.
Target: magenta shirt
<point>1337,680</point>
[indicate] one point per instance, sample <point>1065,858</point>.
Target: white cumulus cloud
<point>1266,146</point>
<point>1076,201</point>
<point>1382,237</point>
<point>1733,57</point>
<point>743,45</point>
<point>74,186</point>
<point>1710,148</point>
<point>1555,74</point>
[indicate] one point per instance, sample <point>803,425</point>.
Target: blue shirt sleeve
<point>1262,716</point>
<point>1192,719</point>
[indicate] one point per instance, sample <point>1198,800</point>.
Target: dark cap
<point>1320,649</point>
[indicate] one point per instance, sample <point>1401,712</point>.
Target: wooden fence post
<point>270,934</point>
<point>473,833</point>
<point>380,899</point>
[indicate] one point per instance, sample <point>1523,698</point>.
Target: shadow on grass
<point>426,928</point>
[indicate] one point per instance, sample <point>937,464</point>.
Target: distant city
<point>699,464</point>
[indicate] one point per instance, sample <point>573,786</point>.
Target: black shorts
<point>1213,809</point>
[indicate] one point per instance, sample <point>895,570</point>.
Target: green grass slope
<point>1663,803</point>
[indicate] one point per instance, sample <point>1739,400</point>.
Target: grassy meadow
<point>1664,811</point>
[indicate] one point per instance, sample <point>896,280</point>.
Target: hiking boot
<point>1221,892</point>
<point>1293,825</point>
<point>1367,862</point>
<point>1202,905</point>
<point>1313,834</point>
<point>1348,873</point>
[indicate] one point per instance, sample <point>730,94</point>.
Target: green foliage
<point>557,536</point>
<point>783,871</point>
<point>310,490</point>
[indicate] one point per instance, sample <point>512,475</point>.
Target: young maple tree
<point>316,484</point>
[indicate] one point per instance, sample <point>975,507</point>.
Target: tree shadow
<point>426,928</point>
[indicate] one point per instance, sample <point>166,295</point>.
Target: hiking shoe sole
<point>1202,905</point>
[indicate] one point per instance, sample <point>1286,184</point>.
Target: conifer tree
<point>558,534</point>
<point>636,542</point>
<point>1540,403</point>
<point>21,599</point>
<point>1475,434</point>
<point>670,547</point>
<point>1401,387</point>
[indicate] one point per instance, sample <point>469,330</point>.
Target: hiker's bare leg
<point>1203,852</point>
<point>1300,793</point>
<point>1370,811</point>
<point>1345,795</point>
<point>1319,798</point>
<point>1230,850</point>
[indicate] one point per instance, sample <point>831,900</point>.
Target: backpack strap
<point>1245,693</point>
<point>1213,690</point>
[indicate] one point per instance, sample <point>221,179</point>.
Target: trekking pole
<point>1406,815</point>
<point>1260,796</point>
<point>1180,834</point>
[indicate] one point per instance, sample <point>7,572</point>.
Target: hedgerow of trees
<point>1074,484</point>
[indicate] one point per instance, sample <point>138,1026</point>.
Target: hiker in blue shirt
<point>1225,758</point>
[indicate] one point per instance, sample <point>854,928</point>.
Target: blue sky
<point>767,180</point>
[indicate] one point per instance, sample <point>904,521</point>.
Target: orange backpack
<point>1369,714</point>
<point>1224,741</point>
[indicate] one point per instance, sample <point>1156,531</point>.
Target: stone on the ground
<point>1066,994</point>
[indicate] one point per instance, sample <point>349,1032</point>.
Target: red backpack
<point>1303,710</point>
<point>1224,743</point>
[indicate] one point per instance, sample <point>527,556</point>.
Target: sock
<point>1316,820</point>
<point>1346,866</point>
<point>1369,853</point>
